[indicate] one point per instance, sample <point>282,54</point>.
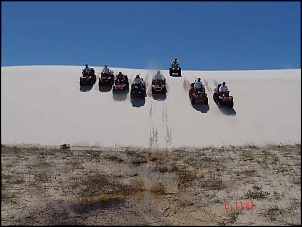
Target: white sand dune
<point>45,105</point>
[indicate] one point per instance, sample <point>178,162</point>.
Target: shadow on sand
<point>201,108</point>
<point>105,88</point>
<point>159,96</point>
<point>85,88</point>
<point>227,110</point>
<point>137,102</point>
<point>175,75</point>
<point>120,95</point>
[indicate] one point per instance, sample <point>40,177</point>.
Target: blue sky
<point>202,35</point>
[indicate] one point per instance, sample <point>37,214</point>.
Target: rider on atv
<point>86,70</point>
<point>223,88</point>
<point>158,83</point>
<point>159,76</point>
<point>138,80</point>
<point>198,85</point>
<point>105,69</point>
<point>175,63</point>
<point>120,76</point>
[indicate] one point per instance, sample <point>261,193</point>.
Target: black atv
<point>138,90</point>
<point>175,70</point>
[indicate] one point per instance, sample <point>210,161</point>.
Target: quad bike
<point>138,90</point>
<point>88,78</point>
<point>175,70</point>
<point>198,96</point>
<point>159,85</point>
<point>121,83</point>
<point>106,79</point>
<point>223,98</point>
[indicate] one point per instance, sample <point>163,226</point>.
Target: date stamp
<point>239,205</point>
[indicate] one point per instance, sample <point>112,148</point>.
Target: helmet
<point>223,83</point>
<point>137,76</point>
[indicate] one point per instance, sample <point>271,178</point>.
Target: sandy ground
<point>45,105</point>
<point>229,185</point>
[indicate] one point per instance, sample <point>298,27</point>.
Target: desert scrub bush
<point>162,169</point>
<point>256,194</point>
<point>212,183</point>
<point>273,212</point>
<point>158,188</point>
<point>231,216</point>
<point>113,158</point>
<point>65,146</point>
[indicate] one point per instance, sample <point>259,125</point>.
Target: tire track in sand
<point>153,137</point>
<point>168,134</point>
<point>160,131</point>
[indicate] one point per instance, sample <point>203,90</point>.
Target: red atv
<point>223,98</point>
<point>121,83</point>
<point>106,79</point>
<point>88,78</point>
<point>159,85</point>
<point>198,95</point>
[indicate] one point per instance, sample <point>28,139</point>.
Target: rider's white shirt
<point>223,89</point>
<point>106,70</point>
<point>137,80</point>
<point>159,77</point>
<point>198,85</point>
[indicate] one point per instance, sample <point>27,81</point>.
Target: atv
<point>121,83</point>
<point>138,90</point>
<point>159,85</point>
<point>175,70</point>
<point>223,98</point>
<point>198,96</point>
<point>106,79</point>
<point>88,78</point>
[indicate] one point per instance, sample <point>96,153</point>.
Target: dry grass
<point>131,186</point>
<point>256,194</point>
<point>272,212</point>
<point>231,216</point>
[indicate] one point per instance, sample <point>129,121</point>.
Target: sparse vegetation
<point>273,212</point>
<point>65,146</point>
<point>96,186</point>
<point>231,216</point>
<point>256,194</point>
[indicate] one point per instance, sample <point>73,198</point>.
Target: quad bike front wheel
<point>192,101</point>
<point>231,104</point>
<point>206,102</point>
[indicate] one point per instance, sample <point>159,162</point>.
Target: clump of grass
<point>137,185</point>
<point>113,158</point>
<point>42,178</point>
<point>76,163</point>
<point>273,212</point>
<point>158,189</point>
<point>162,169</point>
<point>257,187</point>
<point>212,183</point>
<point>256,194</point>
<point>185,177</point>
<point>65,146</point>
<point>139,161</point>
<point>232,215</point>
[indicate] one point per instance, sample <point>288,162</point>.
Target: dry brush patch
<point>80,185</point>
